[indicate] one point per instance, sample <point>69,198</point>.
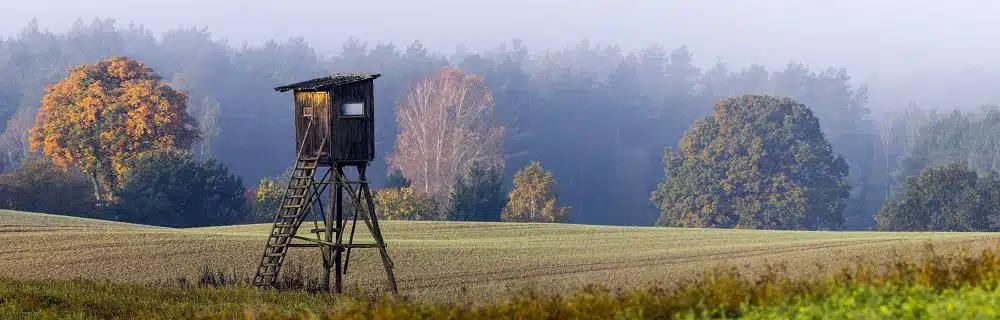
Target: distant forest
<point>598,117</point>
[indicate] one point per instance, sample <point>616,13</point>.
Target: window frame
<point>342,114</point>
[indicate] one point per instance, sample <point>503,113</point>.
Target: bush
<point>39,186</point>
<point>405,204</point>
<point>173,189</point>
<point>267,195</point>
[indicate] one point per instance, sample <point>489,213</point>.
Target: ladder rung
<point>280,235</point>
<point>296,196</point>
<point>283,225</point>
<point>272,255</point>
<point>287,214</point>
<point>286,205</point>
<point>303,245</point>
<point>318,230</point>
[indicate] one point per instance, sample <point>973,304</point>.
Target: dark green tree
<point>946,198</point>
<point>477,195</point>
<point>174,189</point>
<point>758,162</point>
<point>395,179</point>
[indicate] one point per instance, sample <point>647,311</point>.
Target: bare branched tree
<point>887,136</point>
<point>14,140</point>
<point>446,124</point>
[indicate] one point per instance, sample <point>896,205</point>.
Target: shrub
<point>39,186</point>
<point>404,204</point>
<point>267,196</point>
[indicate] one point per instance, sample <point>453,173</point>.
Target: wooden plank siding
<point>349,140</point>
<point>353,137</point>
<point>319,102</point>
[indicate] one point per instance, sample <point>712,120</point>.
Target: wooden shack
<point>335,118</point>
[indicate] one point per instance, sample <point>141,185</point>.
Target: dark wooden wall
<point>320,104</point>
<point>353,137</point>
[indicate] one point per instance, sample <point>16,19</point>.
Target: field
<point>438,261</point>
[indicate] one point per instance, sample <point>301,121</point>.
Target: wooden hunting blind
<point>334,120</point>
<point>343,106</point>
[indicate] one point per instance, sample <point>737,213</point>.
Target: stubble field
<point>449,261</point>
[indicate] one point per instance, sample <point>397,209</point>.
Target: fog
<point>904,50</point>
<point>634,77</point>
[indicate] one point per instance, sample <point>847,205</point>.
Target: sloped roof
<point>329,81</point>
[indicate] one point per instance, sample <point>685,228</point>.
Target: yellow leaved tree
<point>103,115</point>
<point>533,198</point>
<point>405,203</point>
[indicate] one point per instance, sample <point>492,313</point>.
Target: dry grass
<point>448,260</point>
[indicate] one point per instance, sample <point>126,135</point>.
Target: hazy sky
<point>880,42</point>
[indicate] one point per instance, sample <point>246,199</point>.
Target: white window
<point>352,109</point>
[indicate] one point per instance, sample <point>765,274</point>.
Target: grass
<point>941,285</point>
<point>449,261</point>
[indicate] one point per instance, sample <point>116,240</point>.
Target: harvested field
<point>447,260</point>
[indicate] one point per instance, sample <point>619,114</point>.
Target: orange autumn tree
<point>105,114</point>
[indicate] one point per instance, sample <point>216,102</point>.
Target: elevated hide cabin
<point>335,118</point>
<point>334,129</point>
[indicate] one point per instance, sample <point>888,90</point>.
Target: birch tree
<point>446,124</point>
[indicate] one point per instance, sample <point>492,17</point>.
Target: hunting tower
<point>334,129</point>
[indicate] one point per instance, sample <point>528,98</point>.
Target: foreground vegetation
<point>447,261</point>
<point>941,285</point>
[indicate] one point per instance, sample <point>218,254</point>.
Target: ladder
<point>296,204</point>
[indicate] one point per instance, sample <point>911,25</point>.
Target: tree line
<point>597,117</point>
<point>116,124</point>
